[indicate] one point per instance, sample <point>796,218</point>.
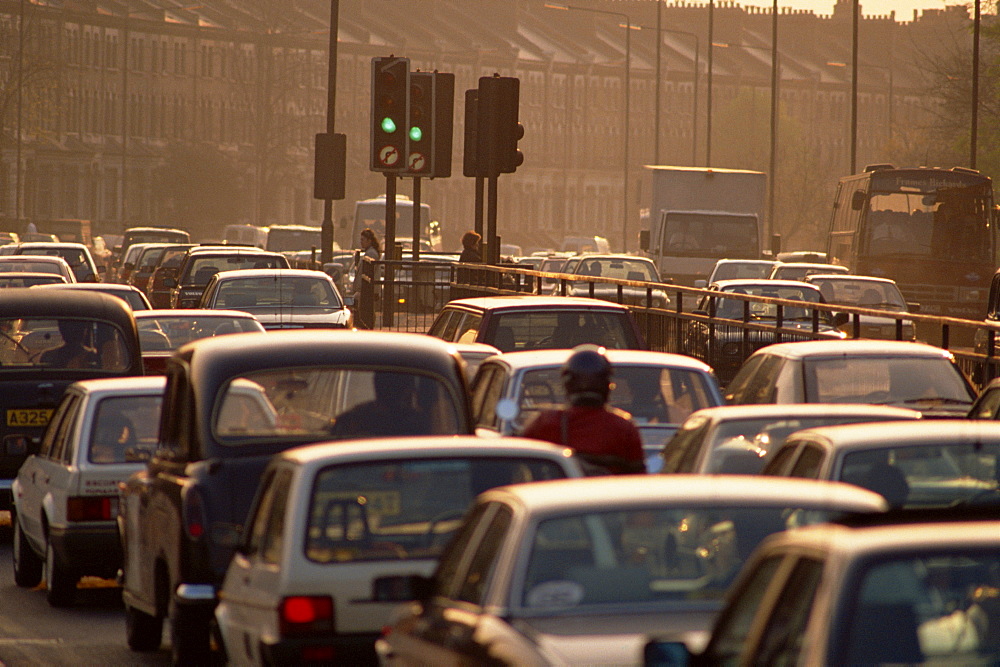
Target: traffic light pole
<point>480,187</point>
<point>389,252</point>
<point>415,215</point>
<point>493,246</point>
<point>326,228</point>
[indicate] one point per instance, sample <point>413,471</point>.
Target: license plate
<point>28,417</point>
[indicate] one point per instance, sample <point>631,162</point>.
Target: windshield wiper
<point>935,400</point>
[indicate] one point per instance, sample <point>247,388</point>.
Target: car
<point>910,589</point>
<point>66,495</point>
<point>741,438</point>
<point>658,389</point>
<point>149,235</point>
<point>37,264</point>
<point>724,347</point>
<point>882,372</point>
<point>231,403</point>
<point>987,404</point>
<point>30,279</point>
<point>280,298</point>
<point>580,571</point>
<point>145,261</point>
<point>332,519</point>
<point>474,354</point>
<point>166,267</point>
<point>77,255</point>
<point>799,270</point>
<point>37,331</point>
<point>867,292</point>
<point>200,263</point>
<point>122,270</point>
<point>162,332</point>
<point>934,463</point>
<point>621,267</point>
<point>524,322</point>
<point>730,269</point>
<point>135,299</point>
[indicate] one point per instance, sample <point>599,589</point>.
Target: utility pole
<point>326,228</point>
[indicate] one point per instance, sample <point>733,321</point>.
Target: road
<point>92,632</point>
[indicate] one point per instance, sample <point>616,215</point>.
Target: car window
<point>903,381</point>
<point>273,538</point>
<point>476,578</point>
<point>316,403</point>
<point>125,429</point>
<point>439,328</point>
<point>784,457</point>
<point>808,463</point>
<point>261,514</point>
<point>681,451</point>
<point>55,423</point>
<point>558,329</point>
<point>62,343</point>
<point>64,430</point>
<point>274,292</point>
<point>468,330</point>
<point>168,332</point>
<point>760,388</point>
<point>738,386</point>
<point>486,393</point>
<point>782,637</point>
<point>732,628</point>
<point>656,395</point>
<point>988,406</point>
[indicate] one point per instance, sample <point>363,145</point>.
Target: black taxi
<point>230,404</point>
<point>49,340</point>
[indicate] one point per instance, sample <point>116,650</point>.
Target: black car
<point>230,404</point>
<point>202,262</point>
<point>48,340</point>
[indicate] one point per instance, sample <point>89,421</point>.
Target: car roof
<point>760,282</point>
<point>792,410</point>
<point>543,358</point>
<point>422,446</point>
<point>154,229</point>
<point>15,259</point>
<point>922,433</point>
<point>64,303</point>
<point>192,312</point>
<point>124,385</point>
<point>51,244</point>
<point>236,274</point>
<point>228,250</point>
<point>810,265</point>
<point>613,255</point>
<point>601,494</point>
<point>848,277</point>
<point>745,261</point>
<point>854,347</point>
<point>32,274</point>
<point>91,287</point>
<point>854,542</point>
<point>523,301</point>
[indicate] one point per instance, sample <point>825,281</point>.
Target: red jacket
<point>590,431</point>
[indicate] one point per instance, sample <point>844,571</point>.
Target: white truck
<point>699,215</point>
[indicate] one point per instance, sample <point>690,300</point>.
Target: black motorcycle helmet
<point>587,376</point>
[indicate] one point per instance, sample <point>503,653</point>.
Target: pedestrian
<point>369,248</point>
<point>604,438</point>
<point>470,248</point>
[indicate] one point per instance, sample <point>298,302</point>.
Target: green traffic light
<point>388,125</point>
<point>416,134</point>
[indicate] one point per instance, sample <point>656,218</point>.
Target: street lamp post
<point>694,102</point>
<point>628,84</point>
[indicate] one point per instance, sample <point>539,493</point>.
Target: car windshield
<point>18,266</point>
<point>621,269</point>
<point>168,332</point>
<point>403,509</point>
<point>562,329</point>
<point>931,476</point>
<point>651,395</point>
<point>733,308</point>
<point>125,429</point>
<point>733,270</point>
<point>937,608</point>
<point>62,344</point>
<point>902,381</point>
<point>866,293</point>
<point>274,292</point>
<point>646,555</point>
<point>333,403</point>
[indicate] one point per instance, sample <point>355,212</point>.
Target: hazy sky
<point>903,8</point>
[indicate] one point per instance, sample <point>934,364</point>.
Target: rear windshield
<point>201,269</point>
<point>899,381</point>
<point>62,344</point>
<point>403,509</point>
<point>159,334</point>
<point>31,267</point>
<point>272,292</point>
<point>125,429</point>
<point>334,403</point>
<point>559,329</point>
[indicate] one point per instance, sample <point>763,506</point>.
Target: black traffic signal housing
<point>470,155</point>
<point>429,132</point>
<point>389,114</point>
<point>329,173</point>
<point>498,129</point>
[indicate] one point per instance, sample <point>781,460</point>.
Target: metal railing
<point>667,314</point>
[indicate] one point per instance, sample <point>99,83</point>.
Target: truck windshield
<point>707,235</point>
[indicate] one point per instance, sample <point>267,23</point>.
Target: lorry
<point>698,215</point>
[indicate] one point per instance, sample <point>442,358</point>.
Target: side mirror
<point>170,283</point>
<point>402,588</point>
<point>644,239</point>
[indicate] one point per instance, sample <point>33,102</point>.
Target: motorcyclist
<point>604,438</point>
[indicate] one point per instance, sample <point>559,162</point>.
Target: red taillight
<point>91,508</point>
<point>306,614</point>
<point>194,514</point>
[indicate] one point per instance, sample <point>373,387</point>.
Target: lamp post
<point>708,102</point>
<point>628,84</point>
<point>694,102</point>
<point>20,101</point>
<point>974,129</point>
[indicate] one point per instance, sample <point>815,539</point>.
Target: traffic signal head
<point>498,128</point>
<point>389,115</point>
<point>420,126</point>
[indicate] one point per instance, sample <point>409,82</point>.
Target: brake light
<point>91,508</point>
<point>305,614</point>
<point>194,514</point>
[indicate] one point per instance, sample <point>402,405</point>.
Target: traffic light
<point>498,129</point>
<point>420,128</point>
<point>389,116</point>
<point>470,155</point>
<point>444,120</point>
<point>330,166</point>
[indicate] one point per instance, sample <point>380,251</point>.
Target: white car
<point>66,496</point>
<point>330,520</point>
